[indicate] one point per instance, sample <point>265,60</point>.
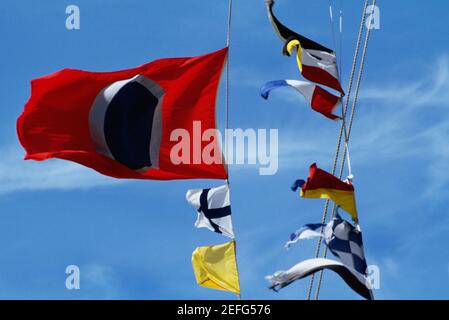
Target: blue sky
<point>134,239</point>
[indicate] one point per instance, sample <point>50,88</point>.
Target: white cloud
<point>97,279</point>
<point>391,266</point>
<point>17,174</point>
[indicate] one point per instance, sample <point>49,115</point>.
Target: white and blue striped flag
<point>306,232</point>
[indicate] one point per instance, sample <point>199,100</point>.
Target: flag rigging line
<point>351,120</point>
<point>227,104</point>
<point>227,89</point>
<point>340,71</point>
<point>215,266</point>
<point>342,133</point>
<point>341,34</point>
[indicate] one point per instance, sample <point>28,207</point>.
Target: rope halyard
<point>340,137</point>
<point>227,89</point>
<point>341,37</point>
<point>227,98</point>
<point>340,70</point>
<point>348,134</point>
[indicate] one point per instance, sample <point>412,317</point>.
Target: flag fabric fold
<point>342,238</point>
<point>286,34</point>
<point>215,267</point>
<point>321,184</point>
<point>345,242</point>
<point>214,209</point>
<point>319,99</point>
<point>353,279</point>
<point>315,65</point>
<point>309,231</point>
<point>121,123</point>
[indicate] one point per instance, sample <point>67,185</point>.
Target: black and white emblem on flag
<point>214,209</point>
<point>126,122</point>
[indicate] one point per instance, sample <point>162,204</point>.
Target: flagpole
<point>227,103</point>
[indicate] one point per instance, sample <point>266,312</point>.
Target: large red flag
<point>120,123</point>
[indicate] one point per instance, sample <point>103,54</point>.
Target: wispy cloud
<point>19,175</point>
<point>406,120</point>
<point>395,120</point>
<point>99,279</point>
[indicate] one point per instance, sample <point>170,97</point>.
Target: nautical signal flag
<point>342,238</point>
<point>321,184</point>
<point>214,209</point>
<point>121,123</point>
<point>316,62</point>
<point>215,267</point>
<point>345,242</point>
<point>286,34</point>
<point>309,231</point>
<point>315,65</point>
<point>319,99</point>
<point>356,281</point>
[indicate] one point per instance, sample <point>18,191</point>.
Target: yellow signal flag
<point>215,267</point>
